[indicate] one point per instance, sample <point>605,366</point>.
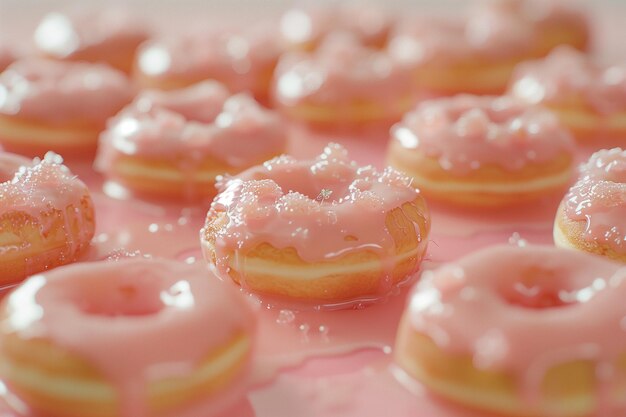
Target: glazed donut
<point>555,22</point>
<point>242,59</point>
<point>46,216</point>
<point>448,56</point>
<point>482,151</point>
<point>323,231</point>
<point>129,338</point>
<point>60,106</point>
<point>592,216</point>
<point>175,143</point>
<point>109,35</point>
<point>341,84</point>
<point>590,99</point>
<point>304,28</point>
<point>520,331</point>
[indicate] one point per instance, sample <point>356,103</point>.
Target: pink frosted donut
<point>130,338</point>
<point>482,151</point>
<point>242,59</point>
<point>304,28</point>
<point>555,22</point>
<point>109,35</point>
<point>46,216</point>
<point>532,331</point>
<point>592,216</point>
<point>324,231</point>
<point>588,97</point>
<point>60,106</point>
<point>474,54</point>
<point>175,143</point>
<point>342,83</point>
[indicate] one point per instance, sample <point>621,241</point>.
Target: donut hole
<point>538,288</point>
<point>122,300</point>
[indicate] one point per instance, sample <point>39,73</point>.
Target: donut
<point>59,106</point>
<point>482,151</point>
<point>447,55</point>
<point>46,216</point>
<point>342,84</point>
<point>589,98</point>
<point>321,232</point>
<point>241,58</point>
<point>555,22</point>
<point>592,215</point>
<point>304,27</point>
<point>130,338</point>
<point>110,35</point>
<point>173,144</point>
<point>520,331</point>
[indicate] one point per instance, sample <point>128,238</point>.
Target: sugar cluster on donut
<point>322,230</point>
<point>60,106</point>
<point>533,331</point>
<point>592,216</point>
<point>129,338</point>
<point>482,151</point>
<point>46,216</point>
<point>175,143</point>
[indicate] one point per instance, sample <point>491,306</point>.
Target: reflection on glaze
<point>465,133</point>
<point>152,318</point>
<point>524,310</point>
<point>57,92</point>
<point>570,78</point>
<point>599,199</point>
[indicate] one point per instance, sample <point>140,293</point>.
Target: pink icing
<point>437,40</point>
<point>566,76</point>
<point>152,319</point>
<point>192,124</point>
<point>526,310</point>
<point>240,58</point>
<point>340,71</point>
<point>63,92</point>
<point>467,132</point>
<point>599,199</point>
<point>96,33</point>
<point>310,205</point>
<point>302,25</point>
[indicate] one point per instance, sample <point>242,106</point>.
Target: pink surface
<point>346,354</point>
